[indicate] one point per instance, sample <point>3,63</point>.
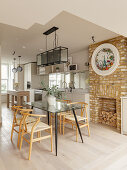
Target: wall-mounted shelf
<point>52,69</point>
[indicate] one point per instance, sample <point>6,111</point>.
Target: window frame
<point>10,77</point>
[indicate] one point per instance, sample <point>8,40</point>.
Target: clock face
<point>105,59</point>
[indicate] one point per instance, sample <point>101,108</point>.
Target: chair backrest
<point>83,108</point>
<point>66,101</point>
<point>15,110</point>
<point>28,113</point>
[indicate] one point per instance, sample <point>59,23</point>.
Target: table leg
<point>48,117</point>
<point>19,100</point>
<point>77,125</point>
<point>7,100</point>
<point>12,102</point>
<point>16,98</point>
<point>32,109</point>
<point>28,98</point>
<point>56,132</point>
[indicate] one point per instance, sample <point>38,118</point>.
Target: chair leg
<point>30,148</point>
<point>51,140</point>
<point>60,123</point>
<point>50,119</point>
<point>72,127</point>
<point>39,135</point>
<point>19,136</point>
<point>88,129</point>
<point>21,139</point>
<point>76,134</point>
<point>12,131</point>
<point>63,123</point>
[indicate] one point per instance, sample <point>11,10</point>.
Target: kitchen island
<point>17,96</point>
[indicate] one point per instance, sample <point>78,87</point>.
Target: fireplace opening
<point>107,112</point>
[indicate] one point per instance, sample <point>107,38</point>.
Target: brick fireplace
<point>107,111</point>
<point>105,91</point>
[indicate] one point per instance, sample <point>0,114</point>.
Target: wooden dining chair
<point>17,121</point>
<point>60,115</point>
<point>32,128</point>
<point>82,118</point>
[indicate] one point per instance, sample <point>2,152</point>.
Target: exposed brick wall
<point>111,86</point>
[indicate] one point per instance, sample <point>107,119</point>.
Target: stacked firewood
<point>108,118</point>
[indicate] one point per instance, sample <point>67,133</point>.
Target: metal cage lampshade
<point>57,55</point>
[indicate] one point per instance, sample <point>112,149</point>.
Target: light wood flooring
<point>106,149</point>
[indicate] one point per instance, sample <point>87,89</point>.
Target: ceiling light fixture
<point>57,55</point>
<point>14,70</point>
<point>19,68</point>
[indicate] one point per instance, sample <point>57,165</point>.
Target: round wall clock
<point>105,59</point>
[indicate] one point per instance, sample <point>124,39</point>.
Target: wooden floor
<point>105,149</point>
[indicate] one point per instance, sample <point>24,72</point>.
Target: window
<point>61,80</point>
<point>55,79</point>
<point>7,77</point>
<point>67,79</point>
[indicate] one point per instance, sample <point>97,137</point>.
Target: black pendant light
<point>19,68</point>
<point>57,55</point>
<point>14,70</point>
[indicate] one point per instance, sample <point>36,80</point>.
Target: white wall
<point>80,58</point>
<point>21,79</point>
<point>0,88</point>
<point>3,98</point>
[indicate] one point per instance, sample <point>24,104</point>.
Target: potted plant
<point>16,86</point>
<point>52,93</point>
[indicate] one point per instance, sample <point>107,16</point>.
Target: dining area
<point>27,122</point>
<point>63,95</point>
<point>41,142</point>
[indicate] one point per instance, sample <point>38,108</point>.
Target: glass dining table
<point>59,107</point>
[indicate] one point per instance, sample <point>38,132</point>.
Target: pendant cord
<point>46,42</point>
<point>55,39</point>
<point>14,63</point>
<point>19,60</point>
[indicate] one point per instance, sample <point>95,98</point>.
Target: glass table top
<point>57,108</point>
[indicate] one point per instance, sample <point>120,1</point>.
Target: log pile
<point>108,118</point>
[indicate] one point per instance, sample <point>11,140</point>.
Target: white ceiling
<point>74,33</point>
<point>110,14</point>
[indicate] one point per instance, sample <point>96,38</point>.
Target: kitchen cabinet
<point>29,70</point>
<point>44,70</point>
<point>124,115</point>
<point>57,68</point>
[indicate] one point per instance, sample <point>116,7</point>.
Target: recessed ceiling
<point>74,33</point>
